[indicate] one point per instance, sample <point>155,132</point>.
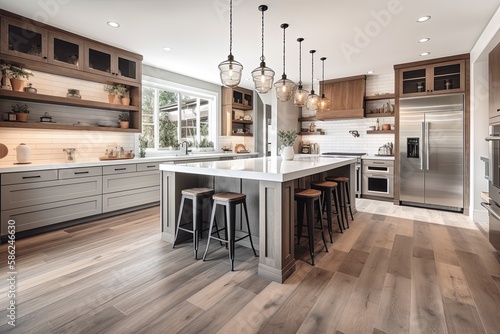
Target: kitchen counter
<point>10,167</point>
<point>269,185</point>
<point>377,157</point>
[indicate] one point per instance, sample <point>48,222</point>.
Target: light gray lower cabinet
<point>126,188</point>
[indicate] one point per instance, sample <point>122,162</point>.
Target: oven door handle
<point>492,138</point>
<point>487,206</point>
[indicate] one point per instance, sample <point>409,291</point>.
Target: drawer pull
<point>31,177</point>
<point>498,110</point>
<point>117,169</point>
<point>151,166</point>
<point>77,173</point>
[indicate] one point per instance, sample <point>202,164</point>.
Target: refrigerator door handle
<point>427,148</point>
<point>421,149</point>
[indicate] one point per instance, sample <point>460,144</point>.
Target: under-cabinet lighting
<point>113,24</point>
<point>423,18</point>
<point>423,40</point>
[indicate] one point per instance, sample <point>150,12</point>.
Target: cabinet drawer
<point>29,177</point>
<point>24,195</point>
<point>123,182</point>
<point>148,166</point>
<point>375,162</point>
<point>72,173</point>
<point>118,169</point>
<point>51,213</point>
<point>130,198</point>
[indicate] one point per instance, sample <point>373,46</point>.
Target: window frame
<point>211,96</point>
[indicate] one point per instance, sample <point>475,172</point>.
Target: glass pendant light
<point>312,99</point>
<point>300,95</point>
<point>324,103</point>
<point>230,69</point>
<point>263,76</point>
<point>284,87</point>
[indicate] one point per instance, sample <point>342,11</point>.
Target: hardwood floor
<point>395,270</point>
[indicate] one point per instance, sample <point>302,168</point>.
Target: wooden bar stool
<point>307,198</point>
<point>230,201</point>
<point>328,188</point>
<point>345,198</point>
<point>196,195</point>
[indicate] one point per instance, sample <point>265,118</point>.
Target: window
<point>171,116</point>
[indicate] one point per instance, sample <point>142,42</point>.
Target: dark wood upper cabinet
<point>347,96</point>
<point>494,84</point>
<point>108,61</point>
<point>24,40</point>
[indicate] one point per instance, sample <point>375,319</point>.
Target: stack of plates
<point>107,123</point>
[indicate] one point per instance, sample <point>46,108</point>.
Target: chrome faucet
<point>354,133</point>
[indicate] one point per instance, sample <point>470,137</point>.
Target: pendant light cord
<point>323,77</point>
<point>312,71</point>
<point>284,28</point>
<point>262,58</point>
<point>230,27</point>
<point>300,63</point>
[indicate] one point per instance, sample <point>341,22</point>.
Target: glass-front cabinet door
<point>414,81</point>
<point>23,40</point>
<point>98,60</point>
<point>128,68</point>
<point>448,77</point>
<point>65,51</point>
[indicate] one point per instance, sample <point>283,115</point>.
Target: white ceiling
<point>198,31</point>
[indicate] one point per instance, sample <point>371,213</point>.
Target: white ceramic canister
<point>23,153</point>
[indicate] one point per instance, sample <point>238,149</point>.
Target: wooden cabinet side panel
<point>494,84</point>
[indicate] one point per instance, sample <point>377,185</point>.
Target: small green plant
<point>16,72</point>
<point>124,117</point>
<point>19,108</point>
<point>287,137</point>
<point>116,89</point>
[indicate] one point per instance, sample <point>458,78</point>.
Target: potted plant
<point>16,75</point>
<point>21,110</point>
<point>126,97</point>
<point>143,143</point>
<point>287,139</point>
<point>115,92</point>
<point>124,118</point>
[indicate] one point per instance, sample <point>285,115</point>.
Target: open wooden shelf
<point>66,101</point>
<point>309,119</point>
<point>374,132</point>
<point>246,134</point>
<point>316,133</point>
<point>377,115</point>
<point>57,126</point>
<point>379,97</point>
<point>239,121</point>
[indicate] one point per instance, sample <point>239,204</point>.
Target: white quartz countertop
<point>266,169</point>
<point>377,157</point>
<point>10,167</point>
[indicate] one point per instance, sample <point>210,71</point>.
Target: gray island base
<point>269,184</point>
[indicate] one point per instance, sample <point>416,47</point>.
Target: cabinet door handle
<point>151,166</point>
<point>117,169</point>
<point>86,172</point>
<point>31,177</point>
<point>498,110</point>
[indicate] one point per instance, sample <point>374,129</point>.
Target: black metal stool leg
<point>212,220</point>
<point>310,227</point>
<point>321,224</point>
<point>337,209</point>
<point>348,199</point>
<point>300,219</point>
<point>231,212</point>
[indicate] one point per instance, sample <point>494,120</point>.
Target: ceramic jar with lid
<point>23,153</point>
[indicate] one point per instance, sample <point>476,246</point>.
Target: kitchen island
<point>269,184</point>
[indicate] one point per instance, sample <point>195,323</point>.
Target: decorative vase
<point>124,124</point>
<point>5,80</point>
<point>142,152</point>
<point>125,101</point>
<point>17,84</point>
<point>22,117</point>
<point>23,153</point>
<point>287,153</point>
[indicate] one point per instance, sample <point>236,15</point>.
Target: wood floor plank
<point>427,314</point>
<point>347,240</point>
<point>462,318</point>
<point>401,254</point>
<point>486,251</point>
<point>405,227</point>
<point>453,284</point>
<point>258,311</point>
<point>92,322</point>
<point>387,233</point>
<point>460,239</point>
<point>361,310</point>
<point>354,262</point>
<point>422,242</point>
<point>497,280</point>
<point>332,261</point>
<point>483,289</point>
<point>393,314</point>
<point>444,251</point>
<point>289,317</point>
<point>368,235</point>
<point>328,309</point>
<point>212,320</point>
<point>171,321</point>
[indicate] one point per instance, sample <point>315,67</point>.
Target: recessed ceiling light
<point>167,48</point>
<point>423,40</point>
<point>424,18</point>
<point>423,54</point>
<point>113,24</point>
<point>370,72</point>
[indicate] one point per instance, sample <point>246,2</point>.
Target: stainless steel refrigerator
<point>431,151</point>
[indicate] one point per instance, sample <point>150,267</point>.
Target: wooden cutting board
<point>3,151</point>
